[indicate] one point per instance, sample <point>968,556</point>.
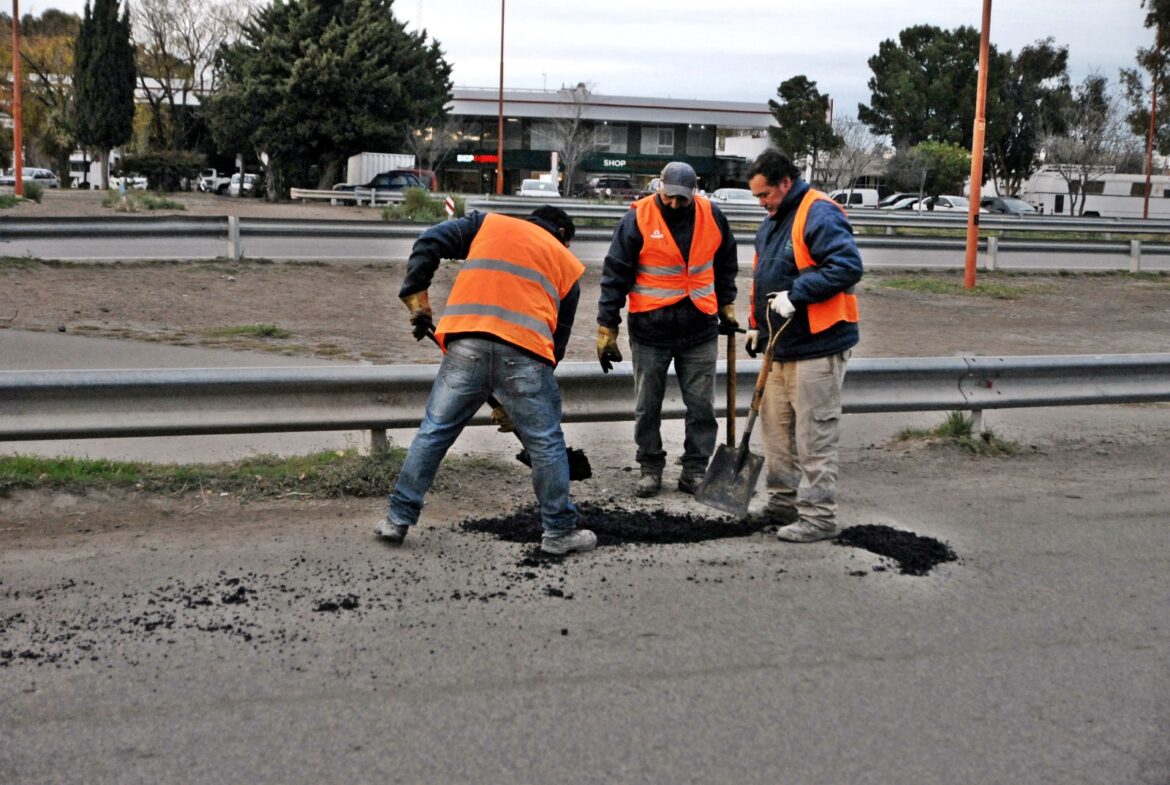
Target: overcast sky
<point>735,49</point>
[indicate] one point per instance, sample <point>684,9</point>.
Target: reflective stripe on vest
<point>841,307</point>
<point>663,278</point>
<point>511,286</point>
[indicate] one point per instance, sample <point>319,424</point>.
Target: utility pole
<point>17,142</point>
<point>1153,118</point>
<point>977,151</point>
<point>500,130</point>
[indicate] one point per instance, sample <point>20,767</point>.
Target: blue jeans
<point>694,366</point>
<point>472,369</point>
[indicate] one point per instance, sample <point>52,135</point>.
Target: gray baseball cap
<point>679,179</point>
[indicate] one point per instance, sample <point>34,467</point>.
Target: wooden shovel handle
<point>766,366</point>
<point>731,390</point>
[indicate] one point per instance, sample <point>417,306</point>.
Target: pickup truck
<point>212,182</point>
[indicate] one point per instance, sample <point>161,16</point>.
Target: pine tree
<point>103,76</point>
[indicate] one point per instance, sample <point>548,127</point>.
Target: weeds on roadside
<point>929,283</point>
<point>958,429</point>
<point>7,201</point>
<point>248,331</point>
<point>137,201</point>
<point>417,206</point>
<point>326,474</point>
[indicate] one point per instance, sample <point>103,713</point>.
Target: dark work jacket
<point>452,240</point>
<point>838,268</point>
<point>680,324</point>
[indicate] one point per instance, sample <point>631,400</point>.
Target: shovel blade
<point>726,488</point>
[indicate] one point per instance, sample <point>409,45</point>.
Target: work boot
<point>648,484</point>
<point>575,541</point>
<point>779,511</point>
<point>391,532</point>
<point>803,531</point>
<point>690,479</point>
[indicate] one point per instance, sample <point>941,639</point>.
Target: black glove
<point>423,324</point>
<point>727,323</point>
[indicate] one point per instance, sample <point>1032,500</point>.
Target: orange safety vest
<point>511,286</point>
<point>663,278</point>
<point>841,307</point>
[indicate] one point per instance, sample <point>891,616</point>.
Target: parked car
<point>394,180</point>
<point>944,204</point>
<point>1007,205</point>
<point>734,196</point>
<point>893,199</point>
<point>541,189</point>
<point>249,184</point>
<point>212,182</point>
<point>856,197</point>
<point>611,187</point>
<point>905,203</point>
<point>651,187</point>
<point>31,174</point>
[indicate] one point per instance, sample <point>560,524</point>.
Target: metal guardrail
<point>39,405</point>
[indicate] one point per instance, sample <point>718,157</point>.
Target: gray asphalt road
<point>222,640</point>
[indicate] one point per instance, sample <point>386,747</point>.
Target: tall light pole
<point>500,129</point>
<point>17,142</point>
<point>1153,118</point>
<point>977,151</point>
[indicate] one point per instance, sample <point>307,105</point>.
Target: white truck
<point>212,182</point>
<point>363,167</point>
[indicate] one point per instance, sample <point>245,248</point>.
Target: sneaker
<point>576,541</point>
<point>648,484</point>
<point>778,512</point>
<point>803,531</point>
<point>690,481</point>
<point>391,532</point>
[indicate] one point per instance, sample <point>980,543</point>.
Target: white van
<point>856,197</point>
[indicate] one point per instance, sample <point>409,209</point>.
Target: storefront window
<point>701,140</point>
<point>610,138</point>
<point>657,140</point>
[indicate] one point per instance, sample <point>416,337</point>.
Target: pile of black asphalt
<point>914,554</point>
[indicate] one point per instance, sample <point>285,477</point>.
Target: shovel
<point>579,468</point>
<point>732,475</point>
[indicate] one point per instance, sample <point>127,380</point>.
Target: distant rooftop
<point>611,108</point>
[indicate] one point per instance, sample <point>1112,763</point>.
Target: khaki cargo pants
<point>800,415</point>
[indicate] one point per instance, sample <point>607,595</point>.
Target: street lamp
<point>17,158</point>
<point>500,129</point>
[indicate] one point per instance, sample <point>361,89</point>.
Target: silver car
<point>31,174</point>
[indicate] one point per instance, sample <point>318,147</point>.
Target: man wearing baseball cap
<point>673,256</point>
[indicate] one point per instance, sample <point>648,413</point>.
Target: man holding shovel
<point>806,266</point>
<point>504,328</point>
<point>673,255</point>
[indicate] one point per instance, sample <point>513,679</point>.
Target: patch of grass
<point>327,474</point>
<point>248,331</point>
<point>8,200</point>
<point>418,206</point>
<point>137,201</point>
<point>958,430</point>
<point>929,284</point>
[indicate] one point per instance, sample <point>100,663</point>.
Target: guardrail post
<point>233,237</point>
<point>1135,256</point>
<point>978,424</point>
<point>889,231</point>
<point>376,440</point>
<point>992,251</point>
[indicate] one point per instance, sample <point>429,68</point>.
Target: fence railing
<point>38,405</point>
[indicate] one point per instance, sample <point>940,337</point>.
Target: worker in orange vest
<point>504,328</point>
<point>805,267</point>
<point>673,256</point>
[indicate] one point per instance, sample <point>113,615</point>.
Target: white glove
<point>752,342</point>
<point>781,304</point>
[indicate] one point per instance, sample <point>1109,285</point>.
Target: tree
<point>309,83</point>
<point>1095,138</point>
<point>1154,62</point>
<point>436,137</point>
<point>1030,90</point>
<point>930,168</point>
<point>803,117</point>
<point>103,78</point>
<point>923,86</point>
<point>860,150</point>
<point>570,135</point>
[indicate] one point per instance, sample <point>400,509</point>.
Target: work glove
<point>779,302</point>
<point>501,418</point>
<point>419,305</point>
<point>727,323</point>
<point>751,345</point>
<point>607,348</point>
